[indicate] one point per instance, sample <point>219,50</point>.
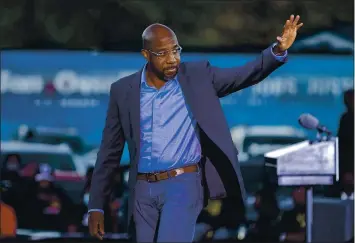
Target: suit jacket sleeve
<point>229,80</point>
<point>109,155</point>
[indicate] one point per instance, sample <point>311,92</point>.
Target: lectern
<point>307,163</point>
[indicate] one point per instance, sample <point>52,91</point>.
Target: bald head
<point>161,50</point>
<point>156,33</point>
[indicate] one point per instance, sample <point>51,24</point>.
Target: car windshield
<point>55,160</point>
<point>75,143</point>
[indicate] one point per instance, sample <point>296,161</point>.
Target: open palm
<point>289,33</point>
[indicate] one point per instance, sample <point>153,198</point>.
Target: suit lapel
<point>134,108</point>
<point>188,92</point>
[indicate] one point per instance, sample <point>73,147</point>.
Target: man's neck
<point>153,80</point>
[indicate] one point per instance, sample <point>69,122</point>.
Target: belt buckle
<point>152,174</point>
<point>179,171</point>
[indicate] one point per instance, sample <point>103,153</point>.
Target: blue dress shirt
<point>168,130</point>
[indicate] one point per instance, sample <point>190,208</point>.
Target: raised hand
<point>289,33</point>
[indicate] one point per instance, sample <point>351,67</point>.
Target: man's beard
<point>159,74</point>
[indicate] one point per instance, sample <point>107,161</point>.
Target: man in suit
<point>180,147</point>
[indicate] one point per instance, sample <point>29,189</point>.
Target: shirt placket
<point>156,121</point>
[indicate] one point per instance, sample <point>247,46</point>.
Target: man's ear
<point>145,54</point>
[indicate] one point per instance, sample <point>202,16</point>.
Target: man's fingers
<point>279,39</point>
<point>99,236</point>
<point>96,232</point>
<point>96,225</point>
<point>299,25</point>
<point>292,17</point>
<point>296,20</point>
<point>95,229</point>
<point>101,228</point>
<point>92,228</point>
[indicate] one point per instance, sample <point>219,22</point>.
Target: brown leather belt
<point>158,176</point>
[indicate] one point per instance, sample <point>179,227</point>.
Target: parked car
<point>255,141</point>
<point>57,136</point>
<point>91,156</point>
<point>53,135</point>
<point>58,157</point>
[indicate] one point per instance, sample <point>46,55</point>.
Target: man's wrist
<point>277,51</point>
<point>96,210</point>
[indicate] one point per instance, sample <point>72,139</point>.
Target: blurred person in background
<point>82,212</point>
<point>344,188</point>
<point>12,167</point>
<point>28,173</point>
<point>346,136</point>
<point>10,175</point>
<point>347,186</point>
<point>264,229</point>
<point>51,207</point>
<point>178,152</point>
<point>8,220</point>
<point>18,188</point>
<point>219,220</point>
<point>292,226</point>
<point>82,215</point>
<point>119,202</point>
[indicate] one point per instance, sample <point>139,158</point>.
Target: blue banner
<point>70,89</point>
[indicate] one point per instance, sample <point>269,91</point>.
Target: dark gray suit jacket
<point>202,85</point>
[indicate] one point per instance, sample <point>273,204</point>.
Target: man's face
<point>164,57</point>
<point>13,164</point>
